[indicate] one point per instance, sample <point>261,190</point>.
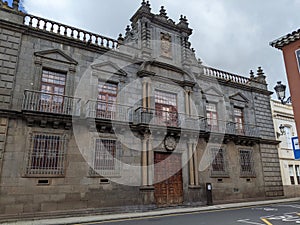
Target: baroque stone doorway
<point>168,179</point>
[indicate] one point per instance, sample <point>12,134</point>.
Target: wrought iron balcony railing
<point>108,111</point>
<point>38,101</point>
<point>167,118</point>
<point>233,128</point>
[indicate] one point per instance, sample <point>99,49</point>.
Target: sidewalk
<point>99,218</point>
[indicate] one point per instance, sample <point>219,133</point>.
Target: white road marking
<point>249,222</point>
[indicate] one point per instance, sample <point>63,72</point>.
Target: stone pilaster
<point>3,135</point>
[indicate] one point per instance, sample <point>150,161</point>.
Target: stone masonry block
<point>13,39</point>
<point>6,44</point>
<point>7,78</point>
<point>4,57</point>
<point>10,51</point>
<point>3,121</point>
<point>9,64</point>
<point>3,37</point>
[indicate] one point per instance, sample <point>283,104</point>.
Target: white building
<point>283,117</point>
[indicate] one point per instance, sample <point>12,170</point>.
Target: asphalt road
<point>276,214</point>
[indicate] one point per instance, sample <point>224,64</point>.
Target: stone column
<point>196,165</point>
<point>144,94</point>
<point>3,136</point>
<point>191,164</point>
<point>144,163</point>
<point>149,89</point>
<point>187,102</point>
<point>150,162</point>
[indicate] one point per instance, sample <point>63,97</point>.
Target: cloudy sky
<point>231,35</point>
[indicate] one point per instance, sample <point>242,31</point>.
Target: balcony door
<point>166,108</point>
<point>52,91</point>
<point>107,96</point>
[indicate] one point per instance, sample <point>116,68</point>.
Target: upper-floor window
<point>288,135</point>
<point>239,120</point>
<point>53,86</point>
<point>46,155</point>
<point>107,96</point>
<point>247,163</point>
<point>166,108</point>
<point>212,116</point>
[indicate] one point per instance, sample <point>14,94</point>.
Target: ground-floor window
<point>106,157</point>
<point>291,173</point>
<point>246,163</point>
<point>218,165</point>
<point>46,155</point>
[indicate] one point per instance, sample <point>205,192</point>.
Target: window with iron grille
<point>106,158</point>
<point>107,95</point>
<point>218,165</point>
<point>239,120</point>
<point>166,108</point>
<point>52,88</point>
<point>212,116</point>
<point>247,163</point>
<point>298,173</point>
<point>46,155</point>
<point>291,173</point>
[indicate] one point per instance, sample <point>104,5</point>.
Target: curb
<point>128,216</point>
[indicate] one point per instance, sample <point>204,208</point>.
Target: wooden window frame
<point>50,101</point>
<point>166,108</point>
<point>239,120</point>
<point>212,123</point>
<point>106,100</point>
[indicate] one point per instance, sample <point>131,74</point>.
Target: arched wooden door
<point>168,179</point>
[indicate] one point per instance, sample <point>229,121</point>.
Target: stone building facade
<point>92,122</point>
<point>283,116</point>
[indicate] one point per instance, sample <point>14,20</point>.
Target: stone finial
<point>183,21</point>
<point>146,6</point>
<point>260,71</point>
<point>163,12</point>
<point>120,39</point>
<point>15,5</point>
<point>127,30</point>
<point>251,74</point>
<point>261,78</point>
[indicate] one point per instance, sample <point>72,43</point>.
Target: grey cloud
<point>231,35</point>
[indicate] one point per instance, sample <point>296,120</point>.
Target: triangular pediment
<point>56,55</point>
<point>109,67</point>
<point>239,97</point>
<point>213,91</point>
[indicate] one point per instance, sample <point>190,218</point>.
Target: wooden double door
<point>168,179</point>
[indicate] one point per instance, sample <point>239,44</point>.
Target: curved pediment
<point>109,67</point>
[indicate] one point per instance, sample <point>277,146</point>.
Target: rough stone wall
<point>9,51</point>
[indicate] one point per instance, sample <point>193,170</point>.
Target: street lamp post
<point>280,91</point>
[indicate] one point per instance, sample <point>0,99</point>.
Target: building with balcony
<point>87,121</point>
<point>285,128</point>
<point>289,45</point>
